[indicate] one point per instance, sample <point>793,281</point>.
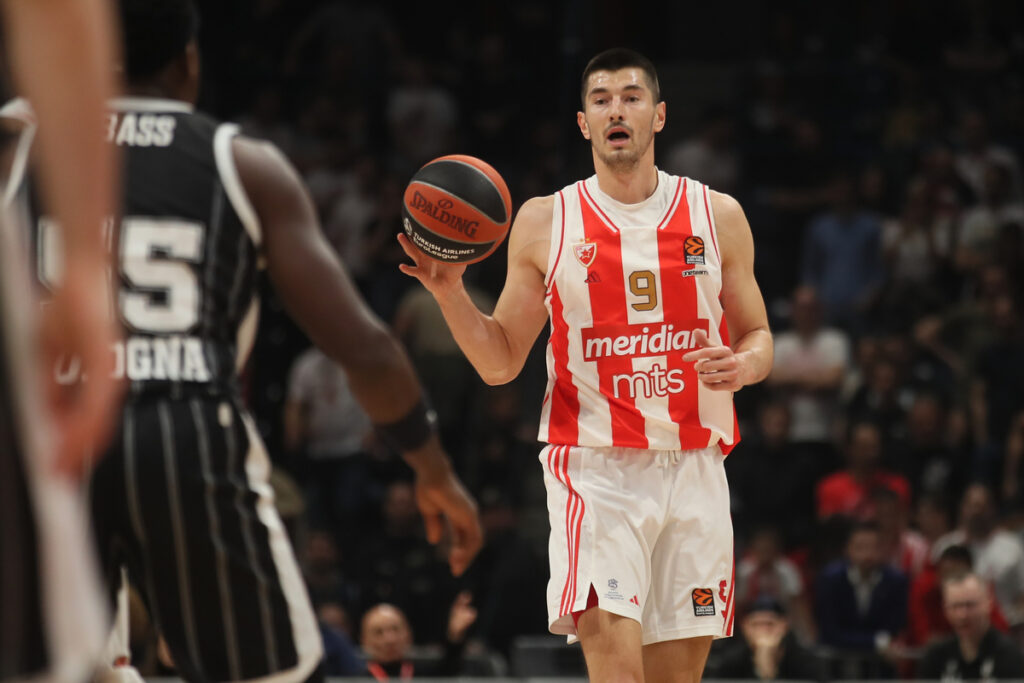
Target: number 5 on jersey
<point>156,262</point>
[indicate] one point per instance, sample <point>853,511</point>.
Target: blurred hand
<point>77,323</point>
<point>461,617</point>
<point>441,496</point>
<point>439,278</point>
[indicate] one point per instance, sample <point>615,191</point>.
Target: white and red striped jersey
<point>627,286</point>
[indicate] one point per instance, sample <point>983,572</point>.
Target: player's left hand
<point>718,366</point>
<point>76,323</point>
<point>442,497</point>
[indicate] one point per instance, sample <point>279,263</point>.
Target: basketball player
<point>183,496</point>
<point>50,606</point>
<point>656,320</point>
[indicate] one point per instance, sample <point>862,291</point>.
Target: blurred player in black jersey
<point>51,616</point>
<point>182,498</point>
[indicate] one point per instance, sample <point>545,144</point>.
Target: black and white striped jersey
<point>186,250</point>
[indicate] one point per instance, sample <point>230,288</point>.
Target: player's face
<point>620,117</point>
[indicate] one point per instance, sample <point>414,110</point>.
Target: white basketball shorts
<point>643,534</point>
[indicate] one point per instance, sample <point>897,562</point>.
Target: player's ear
<point>659,116</point>
<point>581,121</point>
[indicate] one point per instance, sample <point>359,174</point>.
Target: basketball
<point>457,209</point>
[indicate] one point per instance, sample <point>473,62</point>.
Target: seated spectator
<point>811,362</point>
<point>926,619</point>
<point>848,492</point>
<point>768,650</point>
<point>387,642</point>
<point>765,573</point>
<point>976,651</point>
<point>902,547</point>
<point>998,553</point>
<point>860,602</point>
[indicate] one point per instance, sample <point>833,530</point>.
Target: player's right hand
<point>439,278</point>
<point>77,322</point>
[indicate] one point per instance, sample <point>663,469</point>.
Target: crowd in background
<point>876,149</point>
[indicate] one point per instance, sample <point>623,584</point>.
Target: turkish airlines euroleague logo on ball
<point>703,602</point>
<point>694,248</point>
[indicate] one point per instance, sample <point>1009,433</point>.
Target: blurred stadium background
<point>876,148</point>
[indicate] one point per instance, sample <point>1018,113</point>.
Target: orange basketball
<point>456,209</point>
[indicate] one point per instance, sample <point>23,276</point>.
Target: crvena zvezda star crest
<point>585,253</point>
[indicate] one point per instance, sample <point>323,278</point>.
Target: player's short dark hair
<point>156,32</point>
<point>621,58</point>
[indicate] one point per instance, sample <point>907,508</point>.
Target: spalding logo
<point>438,213</point>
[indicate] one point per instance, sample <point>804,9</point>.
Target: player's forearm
<point>756,351</point>
<point>481,338</point>
<point>49,40</point>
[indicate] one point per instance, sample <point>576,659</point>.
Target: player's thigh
<point>611,646</point>
<point>221,576</point>
<point>676,661</point>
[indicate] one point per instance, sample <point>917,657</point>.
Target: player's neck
<point>628,187</point>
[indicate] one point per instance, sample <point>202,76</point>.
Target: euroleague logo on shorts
<point>694,248</point>
<point>703,602</point>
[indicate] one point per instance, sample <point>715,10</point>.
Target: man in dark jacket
<point>861,602</point>
<point>976,651</point>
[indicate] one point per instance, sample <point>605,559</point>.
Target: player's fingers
<point>708,366</point>
<point>706,353</point>
<point>701,337</point>
<point>410,249</point>
<point>434,526</point>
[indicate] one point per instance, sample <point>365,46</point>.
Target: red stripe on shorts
<point>576,532</point>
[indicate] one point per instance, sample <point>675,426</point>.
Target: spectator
<point>925,456</point>
<point>448,377</point>
<point>848,492</point>
<point>711,155</point>
<point>842,257</point>
<point>980,226</point>
<point>998,553</point>
<point>327,431</point>
<point>916,244</point>
<point>995,393</point>
<point>979,153</point>
<point>769,455</point>
<point>861,602</point>
<point>768,650</point>
<point>811,362</point>
<point>926,619</point>
<point>976,651</point>
<point>764,573</point>
<point>387,641</point>
<point>902,547</point>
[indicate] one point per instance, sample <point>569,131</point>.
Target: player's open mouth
<point>617,136</point>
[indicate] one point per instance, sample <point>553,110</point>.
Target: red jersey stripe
<point>576,530</point>
<point>608,307</point>
<point>563,420</point>
<point>679,301</point>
